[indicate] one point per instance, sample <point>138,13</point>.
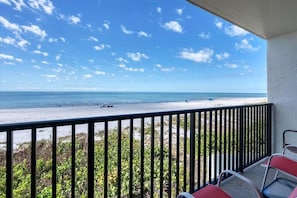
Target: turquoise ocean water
<point>11,100</point>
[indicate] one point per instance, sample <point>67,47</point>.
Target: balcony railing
<point>139,155</point>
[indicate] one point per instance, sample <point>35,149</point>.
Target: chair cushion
<point>279,188</point>
<point>211,191</point>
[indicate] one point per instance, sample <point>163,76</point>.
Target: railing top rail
<point>63,122</point>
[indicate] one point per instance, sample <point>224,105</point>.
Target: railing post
<point>269,123</point>
<point>192,151</point>
<point>90,160</point>
<point>9,164</point>
<point>241,135</point>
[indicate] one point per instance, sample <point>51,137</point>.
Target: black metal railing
<point>140,155</point>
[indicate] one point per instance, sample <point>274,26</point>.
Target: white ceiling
<point>265,18</point>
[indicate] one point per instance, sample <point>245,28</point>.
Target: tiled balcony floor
<point>238,189</point>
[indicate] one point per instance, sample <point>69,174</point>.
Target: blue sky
<point>132,45</point>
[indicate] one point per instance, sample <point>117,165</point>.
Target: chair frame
<point>220,178</point>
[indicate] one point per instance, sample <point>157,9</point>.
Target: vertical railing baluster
<point>244,137</point>
<point>54,163</point>
<point>119,161</point>
<point>220,140</point>
<point>210,148</point>
<point>262,130</point>
<point>177,151</point>
<point>233,137</point>
<point>216,146</point>
<point>204,147</point>
<point>33,162</point>
<point>9,163</point>
<point>237,138</point>
<point>142,157</point>
<point>254,134</point>
<point>257,130</point>
<point>248,136</point>
<point>192,151</point>
<point>91,144</point>
<point>170,156</point>
<point>161,155</point>
<point>241,140</point>
<point>152,155</point>
<point>73,164</point>
<point>185,151</point>
<point>199,150</point>
<point>131,159</point>
<point>105,159</point>
<point>269,125</point>
<point>225,139</point>
<point>229,139</point>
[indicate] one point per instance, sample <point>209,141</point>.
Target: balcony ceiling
<point>265,18</point>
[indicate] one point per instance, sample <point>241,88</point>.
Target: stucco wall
<point>282,84</point>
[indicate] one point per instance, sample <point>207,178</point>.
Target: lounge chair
<point>284,181</point>
<point>215,190</point>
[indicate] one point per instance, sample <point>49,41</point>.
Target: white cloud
<point>23,43</point>
<point>106,25</point>
<point>62,39</point>
<point>45,5</point>
<point>205,35</point>
<point>202,56</point>
<point>5,2</point>
<point>222,56</point>
<point>9,25</point>
<point>36,67</point>
<point>159,10</point>
<point>6,56</point>
<point>8,40</point>
<point>101,47</point>
<point>136,57</point>
<point>245,45</point>
<point>73,19</point>
<point>87,76</point>
<point>10,57</point>
<point>40,52</point>
<point>92,38</point>
<point>143,34</point>
<point>179,11</point>
<point>11,41</point>
<point>35,30</point>
<point>125,30</point>
<point>218,24</point>
<point>18,4</point>
<point>100,73</point>
<point>45,62</point>
<point>173,26</point>
<point>122,60</point>
<point>58,57</point>
<point>164,69</point>
<point>231,65</point>
<point>50,77</point>
<point>130,69</point>
<point>234,30</point>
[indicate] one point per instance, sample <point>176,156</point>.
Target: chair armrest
<point>242,178</point>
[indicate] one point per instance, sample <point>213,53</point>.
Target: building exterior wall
<point>282,85</point>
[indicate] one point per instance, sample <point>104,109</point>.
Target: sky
<point>131,45</point>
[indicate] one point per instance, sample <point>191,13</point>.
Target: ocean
<point>28,99</point>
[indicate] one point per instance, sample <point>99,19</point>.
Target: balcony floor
<point>237,188</point>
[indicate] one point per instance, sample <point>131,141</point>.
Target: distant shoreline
<point>55,113</point>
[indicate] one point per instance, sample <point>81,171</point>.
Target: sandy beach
<point>56,113</point>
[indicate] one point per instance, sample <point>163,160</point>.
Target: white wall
<point>282,84</point>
